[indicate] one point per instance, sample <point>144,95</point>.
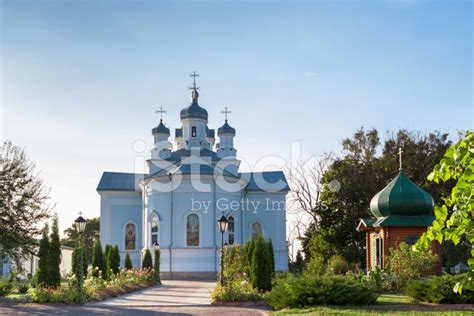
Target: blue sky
<point>81,79</point>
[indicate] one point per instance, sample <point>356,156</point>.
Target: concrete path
<point>171,298</point>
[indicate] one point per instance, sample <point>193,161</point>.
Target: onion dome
<point>161,129</point>
<point>226,129</point>
<point>401,197</point>
<point>194,110</point>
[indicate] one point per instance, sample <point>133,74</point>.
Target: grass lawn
<point>390,304</point>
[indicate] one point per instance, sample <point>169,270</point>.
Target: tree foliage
<point>147,260</point>
<point>43,255</point>
<point>90,234</point>
<point>79,256</point>
<point>455,213</point>
<point>115,259</point>
<point>156,266</point>
<point>261,274</point>
<point>98,259</point>
<point>128,262</point>
<point>367,165</point>
<point>54,260</point>
<point>271,253</point>
<point>23,203</point>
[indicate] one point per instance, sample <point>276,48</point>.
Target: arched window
<point>130,237</point>
<point>256,229</point>
<point>192,230</point>
<point>231,228</point>
<point>154,231</point>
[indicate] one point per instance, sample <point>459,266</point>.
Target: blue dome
<point>161,129</point>
<point>194,110</point>
<point>226,129</point>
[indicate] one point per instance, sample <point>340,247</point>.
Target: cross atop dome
<point>161,111</point>
<point>194,89</point>
<point>225,112</point>
<point>400,152</point>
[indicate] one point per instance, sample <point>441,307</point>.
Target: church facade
<point>189,186</point>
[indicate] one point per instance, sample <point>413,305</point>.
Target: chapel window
<point>154,231</point>
<point>192,230</point>
<point>256,229</point>
<point>231,228</point>
<point>130,237</point>
<point>193,131</point>
<point>377,253</point>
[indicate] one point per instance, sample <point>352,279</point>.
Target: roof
<point>161,129</point>
<point>119,181</point>
<point>194,110</point>
<point>187,169</point>
<point>395,220</point>
<point>401,197</point>
<point>226,129</point>
<point>267,181</point>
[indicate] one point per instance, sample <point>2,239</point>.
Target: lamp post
<point>80,223</point>
<point>222,223</point>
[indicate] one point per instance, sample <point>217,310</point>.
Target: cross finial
<point>400,152</point>
<point>194,75</point>
<point>226,111</point>
<point>80,213</point>
<point>161,111</point>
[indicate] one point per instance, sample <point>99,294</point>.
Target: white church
<point>176,205</point>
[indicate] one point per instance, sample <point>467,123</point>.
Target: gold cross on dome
<point>161,111</point>
<point>226,111</point>
<point>400,152</point>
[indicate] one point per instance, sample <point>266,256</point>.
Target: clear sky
<point>80,80</point>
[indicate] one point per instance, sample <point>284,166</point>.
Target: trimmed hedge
<point>439,290</point>
<point>309,289</point>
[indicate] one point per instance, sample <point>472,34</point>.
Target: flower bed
<point>96,288</point>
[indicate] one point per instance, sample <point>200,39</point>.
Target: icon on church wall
<point>192,228</point>
<point>130,237</point>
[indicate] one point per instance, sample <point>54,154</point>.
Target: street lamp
<point>80,223</point>
<point>222,223</point>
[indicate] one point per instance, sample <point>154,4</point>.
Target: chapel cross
<point>194,75</point>
<point>80,213</point>
<point>400,152</point>
<point>226,111</point>
<point>161,111</point>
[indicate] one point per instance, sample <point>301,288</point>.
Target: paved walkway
<point>171,298</point>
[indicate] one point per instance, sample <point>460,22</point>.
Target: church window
<point>193,131</point>
<point>377,253</point>
<point>130,237</point>
<point>231,228</point>
<point>256,229</point>
<point>192,230</point>
<point>154,231</point>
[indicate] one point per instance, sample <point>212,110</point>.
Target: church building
<point>191,182</point>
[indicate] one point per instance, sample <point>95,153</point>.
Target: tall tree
<point>271,253</point>
<point>156,267</point>
<point>261,274</point>
<point>42,273</point>
<point>54,279</point>
<point>147,260</point>
<point>128,262</point>
<point>366,167</point>
<point>115,254</point>
<point>90,235</point>
<point>23,203</point>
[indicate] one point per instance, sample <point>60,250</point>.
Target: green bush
<point>235,291</point>
<point>128,262</point>
<point>23,288</point>
<point>147,261</point>
<point>316,265</point>
<point>156,267</point>
<point>382,279</point>
<point>439,290</point>
<point>337,265</point>
<point>5,287</point>
<point>308,290</point>
<point>97,259</point>
<point>261,268</point>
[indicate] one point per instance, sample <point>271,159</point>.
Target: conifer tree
<point>147,261</point>
<point>128,262</point>
<point>299,262</point>
<point>97,259</point>
<point>115,260</point>
<point>79,250</point>
<point>108,261</point>
<point>43,254</point>
<point>156,267</point>
<point>271,253</point>
<point>54,275</point>
<point>261,275</point>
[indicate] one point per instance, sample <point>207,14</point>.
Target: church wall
<point>118,209</point>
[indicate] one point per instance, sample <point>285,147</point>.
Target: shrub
<point>407,265</point>
<point>147,261</point>
<point>128,262</point>
<point>156,267</point>
<point>43,254</point>
<point>23,288</point>
<point>383,280</point>
<point>439,290</point>
<point>5,287</point>
<point>54,256</point>
<point>235,291</point>
<point>308,289</point>
<point>97,259</point>
<point>261,274</point>
<point>271,253</point>
<point>115,259</point>
<point>299,263</point>
<point>337,265</point>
